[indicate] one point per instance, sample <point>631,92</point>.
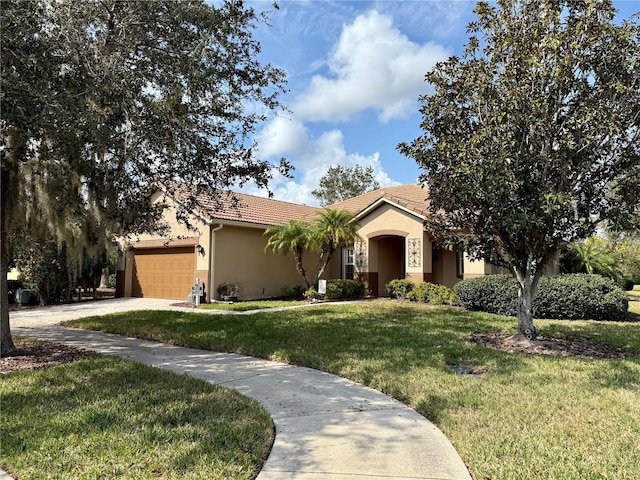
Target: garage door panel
<point>164,273</point>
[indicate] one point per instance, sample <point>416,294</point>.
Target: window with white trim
<point>349,264</point>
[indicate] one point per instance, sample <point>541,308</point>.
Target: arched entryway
<point>387,260</point>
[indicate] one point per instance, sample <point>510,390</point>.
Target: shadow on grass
<point>619,375</point>
<point>97,409</point>
<point>359,340</point>
<point>624,335</point>
<point>434,407</point>
<point>633,317</point>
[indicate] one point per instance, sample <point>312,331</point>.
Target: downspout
<point>212,261</point>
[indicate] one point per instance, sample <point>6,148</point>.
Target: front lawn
<point>102,417</point>
<point>526,417</point>
<point>251,305</point>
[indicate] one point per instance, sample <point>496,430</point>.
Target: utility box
<point>27,296</point>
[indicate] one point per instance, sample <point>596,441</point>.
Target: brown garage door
<point>164,273</point>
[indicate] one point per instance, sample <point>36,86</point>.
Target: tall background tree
<point>628,249</point>
<point>102,100</point>
<point>532,138</point>
<point>341,183</point>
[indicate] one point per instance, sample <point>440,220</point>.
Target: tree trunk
<point>528,279</point>
<point>325,258</point>
<point>7,347</point>
<point>300,267</point>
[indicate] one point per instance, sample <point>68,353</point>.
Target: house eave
<point>382,200</point>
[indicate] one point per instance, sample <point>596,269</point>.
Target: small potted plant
<point>228,291</point>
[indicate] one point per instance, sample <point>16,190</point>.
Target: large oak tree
<point>532,137</point>
<point>103,99</point>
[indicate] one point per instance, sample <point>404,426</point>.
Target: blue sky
<point>355,70</point>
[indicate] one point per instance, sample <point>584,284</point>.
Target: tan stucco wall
<point>387,233</point>
<point>474,268</point>
<point>444,269</point>
<point>335,267</point>
<point>390,261</point>
<point>128,272</point>
<point>240,258</point>
<point>427,254</point>
<point>178,230</point>
<point>389,220</point>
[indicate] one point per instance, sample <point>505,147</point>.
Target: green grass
<point>634,301</point>
<point>103,417</point>
<point>251,305</point>
<point>528,417</point>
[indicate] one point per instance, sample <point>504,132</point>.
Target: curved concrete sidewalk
<point>327,427</point>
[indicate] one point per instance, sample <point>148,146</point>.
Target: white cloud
<point>372,66</point>
<point>282,134</point>
<point>437,19</point>
<point>313,156</point>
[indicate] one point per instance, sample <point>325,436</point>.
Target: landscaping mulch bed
<point>558,347</point>
<point>34,354</point>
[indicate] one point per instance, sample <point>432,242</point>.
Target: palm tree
<point>290,238</point>
<point>594,256</point>
<point>330,230</point>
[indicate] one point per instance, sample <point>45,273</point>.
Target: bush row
<point>431,293</point>
<point>339,289</point>
<point>292,293</point>
<point>571,297</point>
<point>399,288</point>
<point>422,292</point>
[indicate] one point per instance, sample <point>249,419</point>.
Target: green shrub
<point>491,293</point>
<point>292,293</point>
<point>399,288</point>
<point>339,288</point>
<point>580,296</point>
<point>432,293</point>
<point>312,294</point>
<point>112,280</point>
<point>571,297</point>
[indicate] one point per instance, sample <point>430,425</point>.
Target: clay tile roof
<point>240,207</point>
<point>244,208</point>
<point>412,197</point>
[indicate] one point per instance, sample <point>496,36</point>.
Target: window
<point>349,267</point>
<point>460,264</point>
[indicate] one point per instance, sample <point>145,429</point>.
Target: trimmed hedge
<point>399,288</point>
<point>432,293</point>
<point>571,297</point>
<point>292,293</point>
<point>491,293</point>
<point>339,288</point>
